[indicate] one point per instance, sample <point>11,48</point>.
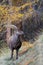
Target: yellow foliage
<point>15,2</point>
<point>14,8</point>
<point>3,10</point>
<point>27,4</point>
<point>11,13</point>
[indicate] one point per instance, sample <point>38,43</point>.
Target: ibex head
<point>19,32</point>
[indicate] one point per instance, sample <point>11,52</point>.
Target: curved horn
<point>11,26</point>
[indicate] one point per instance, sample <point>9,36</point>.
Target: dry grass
<point>28,62</point>
<point>25,47</point>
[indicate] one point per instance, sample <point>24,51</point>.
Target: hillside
<point>30,56</point>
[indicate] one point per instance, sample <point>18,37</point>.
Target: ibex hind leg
<point>12,54</point>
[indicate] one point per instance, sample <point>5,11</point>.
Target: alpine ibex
<point>14,42</point>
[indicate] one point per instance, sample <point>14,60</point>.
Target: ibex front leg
<point>17,54</point>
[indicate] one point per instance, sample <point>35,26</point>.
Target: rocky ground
<point>27,54</point>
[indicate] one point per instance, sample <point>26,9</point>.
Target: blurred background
<point>27,15</point>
